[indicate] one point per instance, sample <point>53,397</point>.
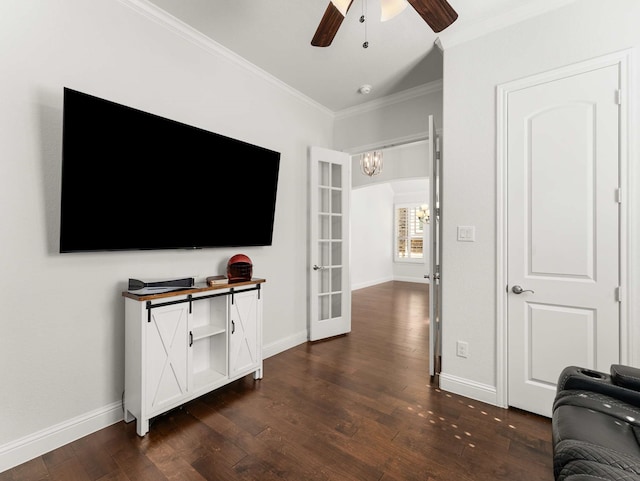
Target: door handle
<point>427,276</point>
<point>317,267</point>
<point>520,290</point>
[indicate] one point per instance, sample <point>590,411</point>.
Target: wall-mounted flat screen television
<point>132,180</point>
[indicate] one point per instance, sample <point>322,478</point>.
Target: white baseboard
<point>468,388</point>
<point>29,447</point>
<point>284,344</point>
<point>419,280</point>
<point>24,449</point>
<point>362,285</point>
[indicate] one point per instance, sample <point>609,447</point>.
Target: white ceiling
<point>275,35</point>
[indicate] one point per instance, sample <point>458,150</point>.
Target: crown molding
<point>409,94</point>
<point>181,29</point>
<point>448,39</point>
<point>388,144</point>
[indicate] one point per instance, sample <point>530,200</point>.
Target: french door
<point>329,280</point>
<point>433,267</point>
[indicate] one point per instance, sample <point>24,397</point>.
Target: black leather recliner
<point>596,425</point>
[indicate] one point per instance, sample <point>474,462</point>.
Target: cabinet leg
<point>258,373</point>
<point>142,427</point>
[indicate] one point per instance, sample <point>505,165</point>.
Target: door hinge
<point>619,97</point>
<point>618,294</point>
<point>619,195</point>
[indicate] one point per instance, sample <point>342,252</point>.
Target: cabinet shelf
<point>206,378</point>
<point>207,331</point>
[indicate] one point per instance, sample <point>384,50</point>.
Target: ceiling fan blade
<point>437,13</point>
<point>329,25</point>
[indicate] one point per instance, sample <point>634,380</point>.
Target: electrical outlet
<point>462,349</point>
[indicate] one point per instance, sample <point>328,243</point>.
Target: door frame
<point>623,60</point>
<point>434,139</point>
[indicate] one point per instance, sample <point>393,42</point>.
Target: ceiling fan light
<point>391,8</point>
<point>342,6</point>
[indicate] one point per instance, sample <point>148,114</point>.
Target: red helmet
<point>239,268</point>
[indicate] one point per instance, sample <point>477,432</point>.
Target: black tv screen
<point>133,180</point>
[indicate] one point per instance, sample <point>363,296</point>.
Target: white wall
<point>404,179</point>
<point>406,161</point>
<point>61,333</point>
<point>396,119</point>
<point>371,235</point>
<point>472,71</point>
<point>373,232</point>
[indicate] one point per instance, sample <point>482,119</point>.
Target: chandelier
<point>423,214</point>
<point>371,163</point>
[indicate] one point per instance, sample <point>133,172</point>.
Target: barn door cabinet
<point>182,344</point>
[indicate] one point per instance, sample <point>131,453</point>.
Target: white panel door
<point>245,341</point>
<point>330,289</point>
<point>167,356</point>
<point>563,232</point>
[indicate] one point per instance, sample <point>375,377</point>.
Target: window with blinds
<point>409,234</point>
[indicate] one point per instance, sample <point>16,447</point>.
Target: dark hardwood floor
<point>359,407</point>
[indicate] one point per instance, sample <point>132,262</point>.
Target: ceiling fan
<point>437,13</point>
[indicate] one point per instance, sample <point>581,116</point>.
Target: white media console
<point>182,344</point>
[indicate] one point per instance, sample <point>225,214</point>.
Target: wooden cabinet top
<point>191,290</point>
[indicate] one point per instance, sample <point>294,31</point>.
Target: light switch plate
<point>466,233</point>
